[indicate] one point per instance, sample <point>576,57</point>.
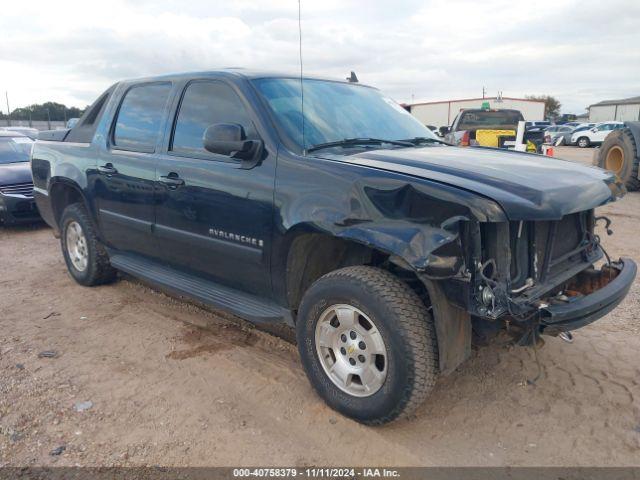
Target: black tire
<point>619,153</point>
<point>406,327</point>
<point>98,270</point>
<point>585,142</point>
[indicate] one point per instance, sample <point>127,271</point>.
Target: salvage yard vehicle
<point>620,153</point>
<point>482,126</point>
<point>553,134</point>
<point>16,188</point>
<point>596,135</point>
<point>346,219</point>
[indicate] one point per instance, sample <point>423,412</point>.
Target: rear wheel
<point>86,258</point>
<point>619,154</point>
<point>583,142</point>
<point>367,343</point>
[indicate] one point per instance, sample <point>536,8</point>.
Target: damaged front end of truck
<point>539,276</point>
<point>522,257</point>
<point>531,277</point>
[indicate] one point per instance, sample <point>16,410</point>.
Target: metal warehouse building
<point>621,110</point>
<point>443,113</point>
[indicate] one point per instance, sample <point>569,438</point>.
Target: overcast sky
<point>580,51</point>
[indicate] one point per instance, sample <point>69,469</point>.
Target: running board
<point>249,307</point>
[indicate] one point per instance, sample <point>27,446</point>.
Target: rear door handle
<point>107,169</point>
<point>172,180</point>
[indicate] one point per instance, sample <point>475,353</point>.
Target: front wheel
<point>367,343</point>
<point>583,142</point>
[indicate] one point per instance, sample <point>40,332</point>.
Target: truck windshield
<point>335,111</point>
<point>487,118</point>
<point>15,149</point>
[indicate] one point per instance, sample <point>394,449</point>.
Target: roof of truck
<point>237,72</point>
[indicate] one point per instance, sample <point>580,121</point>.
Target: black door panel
<point>126,169</point>
<point>218,223</point>
<point>214,217</point>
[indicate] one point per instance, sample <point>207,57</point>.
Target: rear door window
<point>206,103</point>
<point>140,117</point>
<point>487,118</point>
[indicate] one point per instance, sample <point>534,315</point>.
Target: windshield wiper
<point>359,141</point>
<point>420,140</point>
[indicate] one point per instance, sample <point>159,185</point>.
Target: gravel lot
<point>140,378</point>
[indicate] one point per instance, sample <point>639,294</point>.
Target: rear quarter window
<point>140,117</point>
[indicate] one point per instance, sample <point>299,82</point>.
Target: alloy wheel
<point>76,243</point>
<point>351,350</point>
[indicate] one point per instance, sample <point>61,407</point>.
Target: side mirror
<point>443,131</point>
<point>229,139</point>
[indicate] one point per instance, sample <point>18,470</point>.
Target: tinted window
<point>140,117</point>
<point>335,111</point>
<point>488,118</point>
<point>204,104</point>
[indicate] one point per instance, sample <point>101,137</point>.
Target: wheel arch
<point>312,253</point>
<point>305,253</point>
<point>64,192</point>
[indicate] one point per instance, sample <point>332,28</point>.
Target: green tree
<point>45,111</point>
<point>551,105</point>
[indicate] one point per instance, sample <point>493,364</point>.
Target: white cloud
<point>580,51</point>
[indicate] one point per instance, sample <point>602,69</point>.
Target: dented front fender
<point>416,220</point>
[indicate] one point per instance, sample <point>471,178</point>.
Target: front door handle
<point>172,180</point>
<point>107,169</point>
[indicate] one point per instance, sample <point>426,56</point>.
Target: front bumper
<point>583,310</point>
<point>15,209</point>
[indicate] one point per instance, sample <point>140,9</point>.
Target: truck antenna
<point>304,145</point>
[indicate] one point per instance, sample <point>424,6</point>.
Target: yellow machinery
<point>489,138</point>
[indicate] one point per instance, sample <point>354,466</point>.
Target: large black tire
<point>405,325</point>
<point>619,154</point>
<point>98,270</point>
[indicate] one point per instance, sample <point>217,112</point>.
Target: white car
<point>596,135</point>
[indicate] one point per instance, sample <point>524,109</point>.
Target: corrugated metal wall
<point>621,113</point>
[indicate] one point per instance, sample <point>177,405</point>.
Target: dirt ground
<point>172,384</point>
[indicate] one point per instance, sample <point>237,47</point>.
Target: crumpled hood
<point>19,172</point>
<point>526,186</point>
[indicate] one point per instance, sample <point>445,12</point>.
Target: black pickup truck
<point>341,215</point>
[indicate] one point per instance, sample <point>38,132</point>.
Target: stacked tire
<point>620,153</point>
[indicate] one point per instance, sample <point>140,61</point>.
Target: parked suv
<point>595,135</point>
<point>343,217</point>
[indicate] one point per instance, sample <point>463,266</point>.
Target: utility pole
<point>6,94</point>
<point>484,91</point>
<point>48,120</point>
